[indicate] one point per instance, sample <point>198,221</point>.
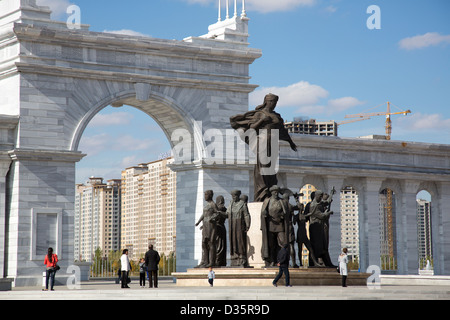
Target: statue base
<point>262,277</point>
<point>254,236</point>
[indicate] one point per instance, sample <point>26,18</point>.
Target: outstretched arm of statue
<point>257,121</point>
<point>199,220</point>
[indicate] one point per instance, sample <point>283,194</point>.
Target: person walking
<point>125,268</point>
<point>342,261</point>
<point>50,261</point>
<point>152,261</point>
<point>142,272</point>
<point>283,264</point>
<point>211,276</point>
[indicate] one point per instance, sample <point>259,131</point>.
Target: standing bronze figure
<point>274,226</point>
<point>209,231</point>
<point>318,231</point>
<point>302,238</point>
<point>221,234</point>
<point>239,223</point>
<point>263,120</point>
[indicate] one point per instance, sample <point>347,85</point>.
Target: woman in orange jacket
<point>50,261</point>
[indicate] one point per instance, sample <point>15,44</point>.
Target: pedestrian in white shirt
<point>343,260</point>
<point>125,268</point>
<point>211,276</point>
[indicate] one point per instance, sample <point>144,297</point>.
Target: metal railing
<point>105,268</point>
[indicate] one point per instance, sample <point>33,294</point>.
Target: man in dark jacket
<point>283,264</point>
<point>152,261</point>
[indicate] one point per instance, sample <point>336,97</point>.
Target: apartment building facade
<point>350,221</point>
<point>424,230</point>
<point>149,208</point>
<point>97,218</point>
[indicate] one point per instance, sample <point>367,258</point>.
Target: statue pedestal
<point>254,236</point>
<point>256,277</point>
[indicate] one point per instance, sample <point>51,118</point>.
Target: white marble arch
<point>54,80</point>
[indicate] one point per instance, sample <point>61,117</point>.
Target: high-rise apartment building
<point>349,221</point>
<point>149,208</point>
<point>424,230</point>
<point>97,218</point>
<point>349,217</point>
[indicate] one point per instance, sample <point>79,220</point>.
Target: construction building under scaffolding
<point>387,226</point>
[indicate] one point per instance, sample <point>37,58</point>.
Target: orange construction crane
<point>367,116</point>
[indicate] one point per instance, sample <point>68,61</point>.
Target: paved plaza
<point>108,290</point>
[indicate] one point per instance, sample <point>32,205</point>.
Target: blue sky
<point>318,56</point>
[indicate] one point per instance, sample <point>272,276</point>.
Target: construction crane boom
<point>367,116</point>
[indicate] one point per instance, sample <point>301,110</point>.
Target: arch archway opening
<point>350,224</point>
<point>387,213</point>
<point>117,138</point>
<point>424,231</point>
<point>127,150</point>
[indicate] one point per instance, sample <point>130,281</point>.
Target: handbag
<point>56,266</point>
<point>338,270</point>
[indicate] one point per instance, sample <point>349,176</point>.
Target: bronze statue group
<point>278,217</point>
<point>214,234</point>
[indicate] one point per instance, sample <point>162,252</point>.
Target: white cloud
<point>127,32</point>
<point>58,7</point>
<point>426,122</point>
<point>113,119</point>
<point>312,110</point>
<point>330,9</point>
<point>203,2</point>
<point>423,41</point>
<point>129,161</point>
<point>96,144</point>
<point>333,106</point>
<point>263,6</point>
<point>342,104</point>
<point>300,93</point>
<point>309,99</point>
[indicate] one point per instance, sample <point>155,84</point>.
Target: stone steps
<point>254,277</point>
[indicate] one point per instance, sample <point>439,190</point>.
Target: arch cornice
<point>128,97</point>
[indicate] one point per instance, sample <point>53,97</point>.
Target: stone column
<point>406,230</point>
<point>4,168</point>
<point>41,212</point>
<point>335,220</point>
<point>192,181</point>
<point>440,222</point>
<point>369,224</point>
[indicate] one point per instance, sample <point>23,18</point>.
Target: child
<point>142,272</point>
<point>211,276</point>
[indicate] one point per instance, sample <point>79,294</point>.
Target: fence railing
<point>105,268</point>
<point>388,263</point>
